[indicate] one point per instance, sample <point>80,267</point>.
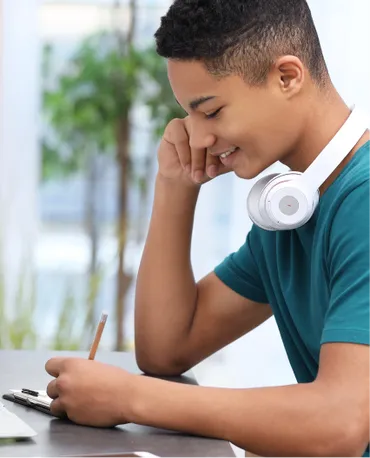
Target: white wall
<point>343,27</point>
<point>19,163</point>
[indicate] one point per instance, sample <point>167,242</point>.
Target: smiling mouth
<point>227,153</point>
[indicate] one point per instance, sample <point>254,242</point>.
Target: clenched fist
<point>178,160</point>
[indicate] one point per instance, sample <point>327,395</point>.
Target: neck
<point>326,117</point>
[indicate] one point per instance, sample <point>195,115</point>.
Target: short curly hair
<point>241,37</point>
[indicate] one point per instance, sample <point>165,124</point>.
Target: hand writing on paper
<point>87,391</point>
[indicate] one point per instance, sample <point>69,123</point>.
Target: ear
<point>291,74</point>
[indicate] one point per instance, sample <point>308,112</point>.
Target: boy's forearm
<point>166,290</point>
<point>293,420</point>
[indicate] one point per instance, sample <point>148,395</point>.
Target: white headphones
<point>288,200</point>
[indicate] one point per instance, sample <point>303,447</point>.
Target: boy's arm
<point>178,322</point>
<point>329,417</point>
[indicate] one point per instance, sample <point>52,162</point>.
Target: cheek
<point>264,133</point>
<point>268,131</point>
<point>242,125</point>
<point>234,129</point>
<point>247,135</point>
<point>281,134</point>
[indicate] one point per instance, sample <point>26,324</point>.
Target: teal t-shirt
<point>315,278</point>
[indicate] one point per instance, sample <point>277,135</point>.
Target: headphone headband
<point>335,151</point>
<point>288,200</point>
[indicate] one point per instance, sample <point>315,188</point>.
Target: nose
<point>200,137</point>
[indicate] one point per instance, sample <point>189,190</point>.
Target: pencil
<point>98,334</point>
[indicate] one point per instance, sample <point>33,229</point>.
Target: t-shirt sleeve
<point>347,318</point>
<point>239,271</point>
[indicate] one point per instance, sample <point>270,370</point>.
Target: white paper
<point>42,399</point>
<point>12,427</point>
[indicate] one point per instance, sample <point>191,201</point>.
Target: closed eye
<point>214,114</point>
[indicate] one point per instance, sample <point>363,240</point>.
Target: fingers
<point>57,409</point>
<point>177,134</point>
<point>52,389</point>
<point>193,159</point>
<point>198,164</point>
<point>212,165</point>
<point>183,150</point>
<point>54,366</point>
<point>198,157</point>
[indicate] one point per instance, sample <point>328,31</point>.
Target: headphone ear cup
<point>285,203</point>
<point>253,201</point>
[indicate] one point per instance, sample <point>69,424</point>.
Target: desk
<point>58,437</point>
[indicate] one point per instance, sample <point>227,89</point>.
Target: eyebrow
<point>194,104</point>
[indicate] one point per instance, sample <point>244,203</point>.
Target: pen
<point>31,392</point>
<point>98,334</point>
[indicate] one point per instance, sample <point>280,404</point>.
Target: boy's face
<point>264,123</point>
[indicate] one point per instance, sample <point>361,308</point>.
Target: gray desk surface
<point>25,369</point>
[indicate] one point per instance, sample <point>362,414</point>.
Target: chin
<point>246,174</point>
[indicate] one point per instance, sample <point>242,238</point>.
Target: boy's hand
<point>88,391</point>
<point>178,161</point>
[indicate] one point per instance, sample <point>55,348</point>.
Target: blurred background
<point>84,100</point>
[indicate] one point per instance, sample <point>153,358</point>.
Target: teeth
<point>224,155</point>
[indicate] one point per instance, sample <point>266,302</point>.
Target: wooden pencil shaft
<point>98,334</point>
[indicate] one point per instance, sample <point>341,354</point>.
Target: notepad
<point>39,401</point>
<point>12,427</point>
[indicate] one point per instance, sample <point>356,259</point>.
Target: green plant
<point>18,331</point>
<point>88,109</point>
<point>67,337</point>
<point>22,332</point>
